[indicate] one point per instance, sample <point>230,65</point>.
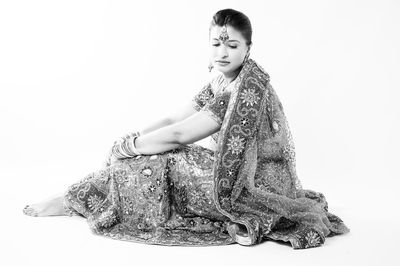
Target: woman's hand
<point>119,149</point>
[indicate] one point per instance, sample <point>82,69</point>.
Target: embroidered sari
<point>243,190</point>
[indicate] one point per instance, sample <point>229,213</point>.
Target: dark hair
<point>235,19</point>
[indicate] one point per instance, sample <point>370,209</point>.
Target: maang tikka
<point>224,34</point>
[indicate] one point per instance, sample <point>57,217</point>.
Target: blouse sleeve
<point>217,106</point>
<point>201,98</point>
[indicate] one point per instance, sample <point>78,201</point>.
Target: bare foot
<point>49,207</point>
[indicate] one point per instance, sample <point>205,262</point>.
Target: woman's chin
<point>227,72</point>
<point>223,70</point>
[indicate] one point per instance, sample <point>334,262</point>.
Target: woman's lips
<point>223,63</point>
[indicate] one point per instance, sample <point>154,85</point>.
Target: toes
<point>25,209</point>
<point>28,210</point>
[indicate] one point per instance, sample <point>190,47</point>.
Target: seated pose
<point>158,187</point>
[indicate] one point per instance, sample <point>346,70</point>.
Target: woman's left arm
<point>189,130</point>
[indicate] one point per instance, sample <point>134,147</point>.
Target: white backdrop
<point>76,75</point>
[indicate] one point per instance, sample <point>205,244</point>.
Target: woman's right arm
<point>173,118</point>
<point>191,107</point>
<point>181,114</point>
<point>154,126</point>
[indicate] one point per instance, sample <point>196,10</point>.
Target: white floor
<point>68,240</point>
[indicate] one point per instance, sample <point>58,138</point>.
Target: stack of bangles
<point>126,147</point>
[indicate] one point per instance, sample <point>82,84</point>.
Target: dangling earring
<point>246,58</point>
<point>210,67</point>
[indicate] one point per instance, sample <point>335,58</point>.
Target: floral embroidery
<point>171,161</point>
<point>249,97</point>
<point>94,202</point>
<point>152,188</point>
<point>206,95</point>
<point>107,218</point>
<point>236,144</point>
<point>127,205</point>
<point>229,173</point>
<point>120,176</point>
<point>192,223</point>
<point>203,97</point>
<point>313,239</point>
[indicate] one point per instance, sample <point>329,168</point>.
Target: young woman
<point>159,188</point>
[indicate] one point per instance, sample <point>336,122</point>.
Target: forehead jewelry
<point>224,34</point>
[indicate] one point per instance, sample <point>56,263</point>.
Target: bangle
<point>118,152</point>
<point>130,143</point>
<point>122,148</point>
<point>125,149</point>
<point>133,147</point>
<point>128,149</point>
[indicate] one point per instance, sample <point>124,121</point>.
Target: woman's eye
<point>230,46</point>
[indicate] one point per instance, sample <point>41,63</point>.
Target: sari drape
<point>255,178</point>
<point>244,191</point>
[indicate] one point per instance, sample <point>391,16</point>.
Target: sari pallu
<point>255,180</point>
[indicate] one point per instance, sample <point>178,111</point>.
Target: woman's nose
<point>222,51</point>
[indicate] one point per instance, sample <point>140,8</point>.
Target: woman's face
<point>227,56</point>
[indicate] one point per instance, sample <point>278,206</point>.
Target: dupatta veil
<point>255,180</point>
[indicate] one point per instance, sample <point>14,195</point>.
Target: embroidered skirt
<point>159,199</point>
